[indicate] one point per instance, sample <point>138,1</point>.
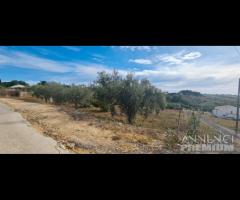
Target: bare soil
<point>88,130</point>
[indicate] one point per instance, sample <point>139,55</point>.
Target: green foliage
<point>106,91</point>
<point>57,92</point>
<point>193,124</point>
<point>190,93</point>
<point>194,100</point>
<point>2,91</point>
<point>153,99</point>
<point>131,97</point>
<point>172,141</point>
<point>12,83</point>
<point>79,96</point>
<point>41,91</point>
<point>140,97</point>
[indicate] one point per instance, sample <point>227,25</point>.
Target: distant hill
<point>190,93</point>
<point>195,100</point>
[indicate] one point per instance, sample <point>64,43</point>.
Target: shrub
<point>193,124</point>
<point>79,96</point>
<point>3,92</point>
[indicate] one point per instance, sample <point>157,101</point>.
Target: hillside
<point>195,100</point>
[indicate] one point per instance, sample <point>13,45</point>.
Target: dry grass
<point>90,131</point>
<point>229,123</point>
<point>83,132</point>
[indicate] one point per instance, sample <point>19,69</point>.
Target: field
<point>91,131</point>
<point>229,123</point>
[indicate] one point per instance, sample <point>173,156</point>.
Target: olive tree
<point>106,90</point>
<point>79,96</point>
<point>131,96</point>
<point>41,91</point>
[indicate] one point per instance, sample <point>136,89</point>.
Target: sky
<point>207,69</point>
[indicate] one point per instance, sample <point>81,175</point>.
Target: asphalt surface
<point>18,137</point>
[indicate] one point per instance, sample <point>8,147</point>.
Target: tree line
<point>12,83</point>
<point>108,91</point>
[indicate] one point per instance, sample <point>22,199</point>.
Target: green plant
<point>106,91</point>
<point>193,124</point>
<point>79,96</point>
<point>172,141</point>
<point>131,97</point>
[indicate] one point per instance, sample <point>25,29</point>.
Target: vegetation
<point>128,95</point>
<point>140,97</point>
<point>131,97</point>
<point>12,83</point>
<point>197,101</point>
<point>109,91</point>
<point>193,124</point>
<point>79,96</point>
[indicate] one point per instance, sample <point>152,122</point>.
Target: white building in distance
<point>226,112</point>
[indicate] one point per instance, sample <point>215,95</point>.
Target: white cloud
<point>174,59</point>
<point>98,57</point>
<point>134,48</point>
<point>178,58</point>
<point>191,56</point>
<point>171,72</point>
<point>72,48</point>
<point>170,59</point>
<point>141,61</point>
<point>214,77</point>
<point>29,61</point>
<point>24,60</point>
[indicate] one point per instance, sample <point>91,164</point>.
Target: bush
<point>79,96</point>
<point>3,92</point>
<point>58,93</point>
<point>42,92</point>
<point>172,141</point>
<point>193,124</point>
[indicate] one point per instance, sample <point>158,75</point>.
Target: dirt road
<point>224,131</point>
<point>17,137</point>
<point>219,128</point>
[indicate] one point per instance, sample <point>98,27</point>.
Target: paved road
<point>17,137</point>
